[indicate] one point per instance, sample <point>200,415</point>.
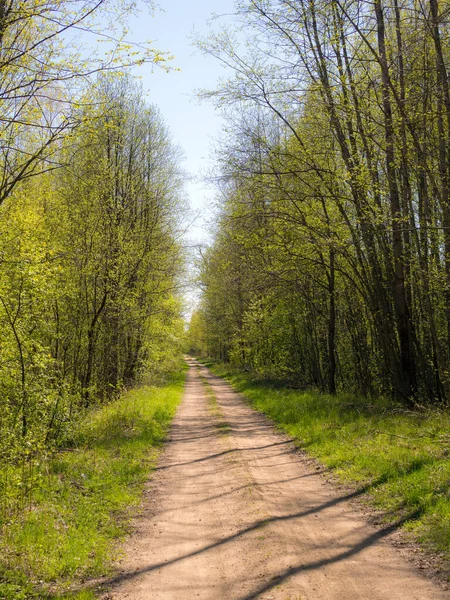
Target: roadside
<point>236,512</point>
<point>80,500</point>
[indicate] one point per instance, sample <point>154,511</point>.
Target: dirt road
<point>235,512</point>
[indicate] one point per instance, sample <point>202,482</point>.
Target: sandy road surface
<point>236,513</point>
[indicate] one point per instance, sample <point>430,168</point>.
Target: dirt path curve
<point>235,513</point>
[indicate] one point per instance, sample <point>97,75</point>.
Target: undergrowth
<point>399,459</point>
<point>85,498</point>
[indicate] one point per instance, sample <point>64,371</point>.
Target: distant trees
<point>337,195</point>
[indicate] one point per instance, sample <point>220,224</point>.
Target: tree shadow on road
<point>286,574</point>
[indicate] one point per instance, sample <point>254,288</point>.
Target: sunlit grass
<point>86,497</point>
<point>400,458</point>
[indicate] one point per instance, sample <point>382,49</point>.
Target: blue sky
<point>192,125</point>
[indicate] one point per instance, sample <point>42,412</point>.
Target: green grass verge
<point>399,458</point>
<point>85,498</point>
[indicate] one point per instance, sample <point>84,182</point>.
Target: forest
<point>323,295</point>
<point>330,266</point>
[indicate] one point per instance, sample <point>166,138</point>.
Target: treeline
<point>331,260</point>
<point>90,255</point>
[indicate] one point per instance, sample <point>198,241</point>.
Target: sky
<point>193,125</point>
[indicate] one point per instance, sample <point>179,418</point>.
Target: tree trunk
<point>408,382</point>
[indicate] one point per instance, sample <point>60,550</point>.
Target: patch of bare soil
<point>235,512</point>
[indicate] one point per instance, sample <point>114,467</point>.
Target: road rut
<point>235,512</point>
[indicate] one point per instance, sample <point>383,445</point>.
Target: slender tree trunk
<point>91,348</point>
<point>443,122</point>
<point>404,326</point>
<point>332,325</point>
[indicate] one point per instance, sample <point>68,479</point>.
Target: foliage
<point>331,263</point>
<point>195,334</point>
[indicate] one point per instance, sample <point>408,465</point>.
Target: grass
<point>400,459</point>
<point>86,497</point>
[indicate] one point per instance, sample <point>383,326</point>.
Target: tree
<point>43,68</point>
